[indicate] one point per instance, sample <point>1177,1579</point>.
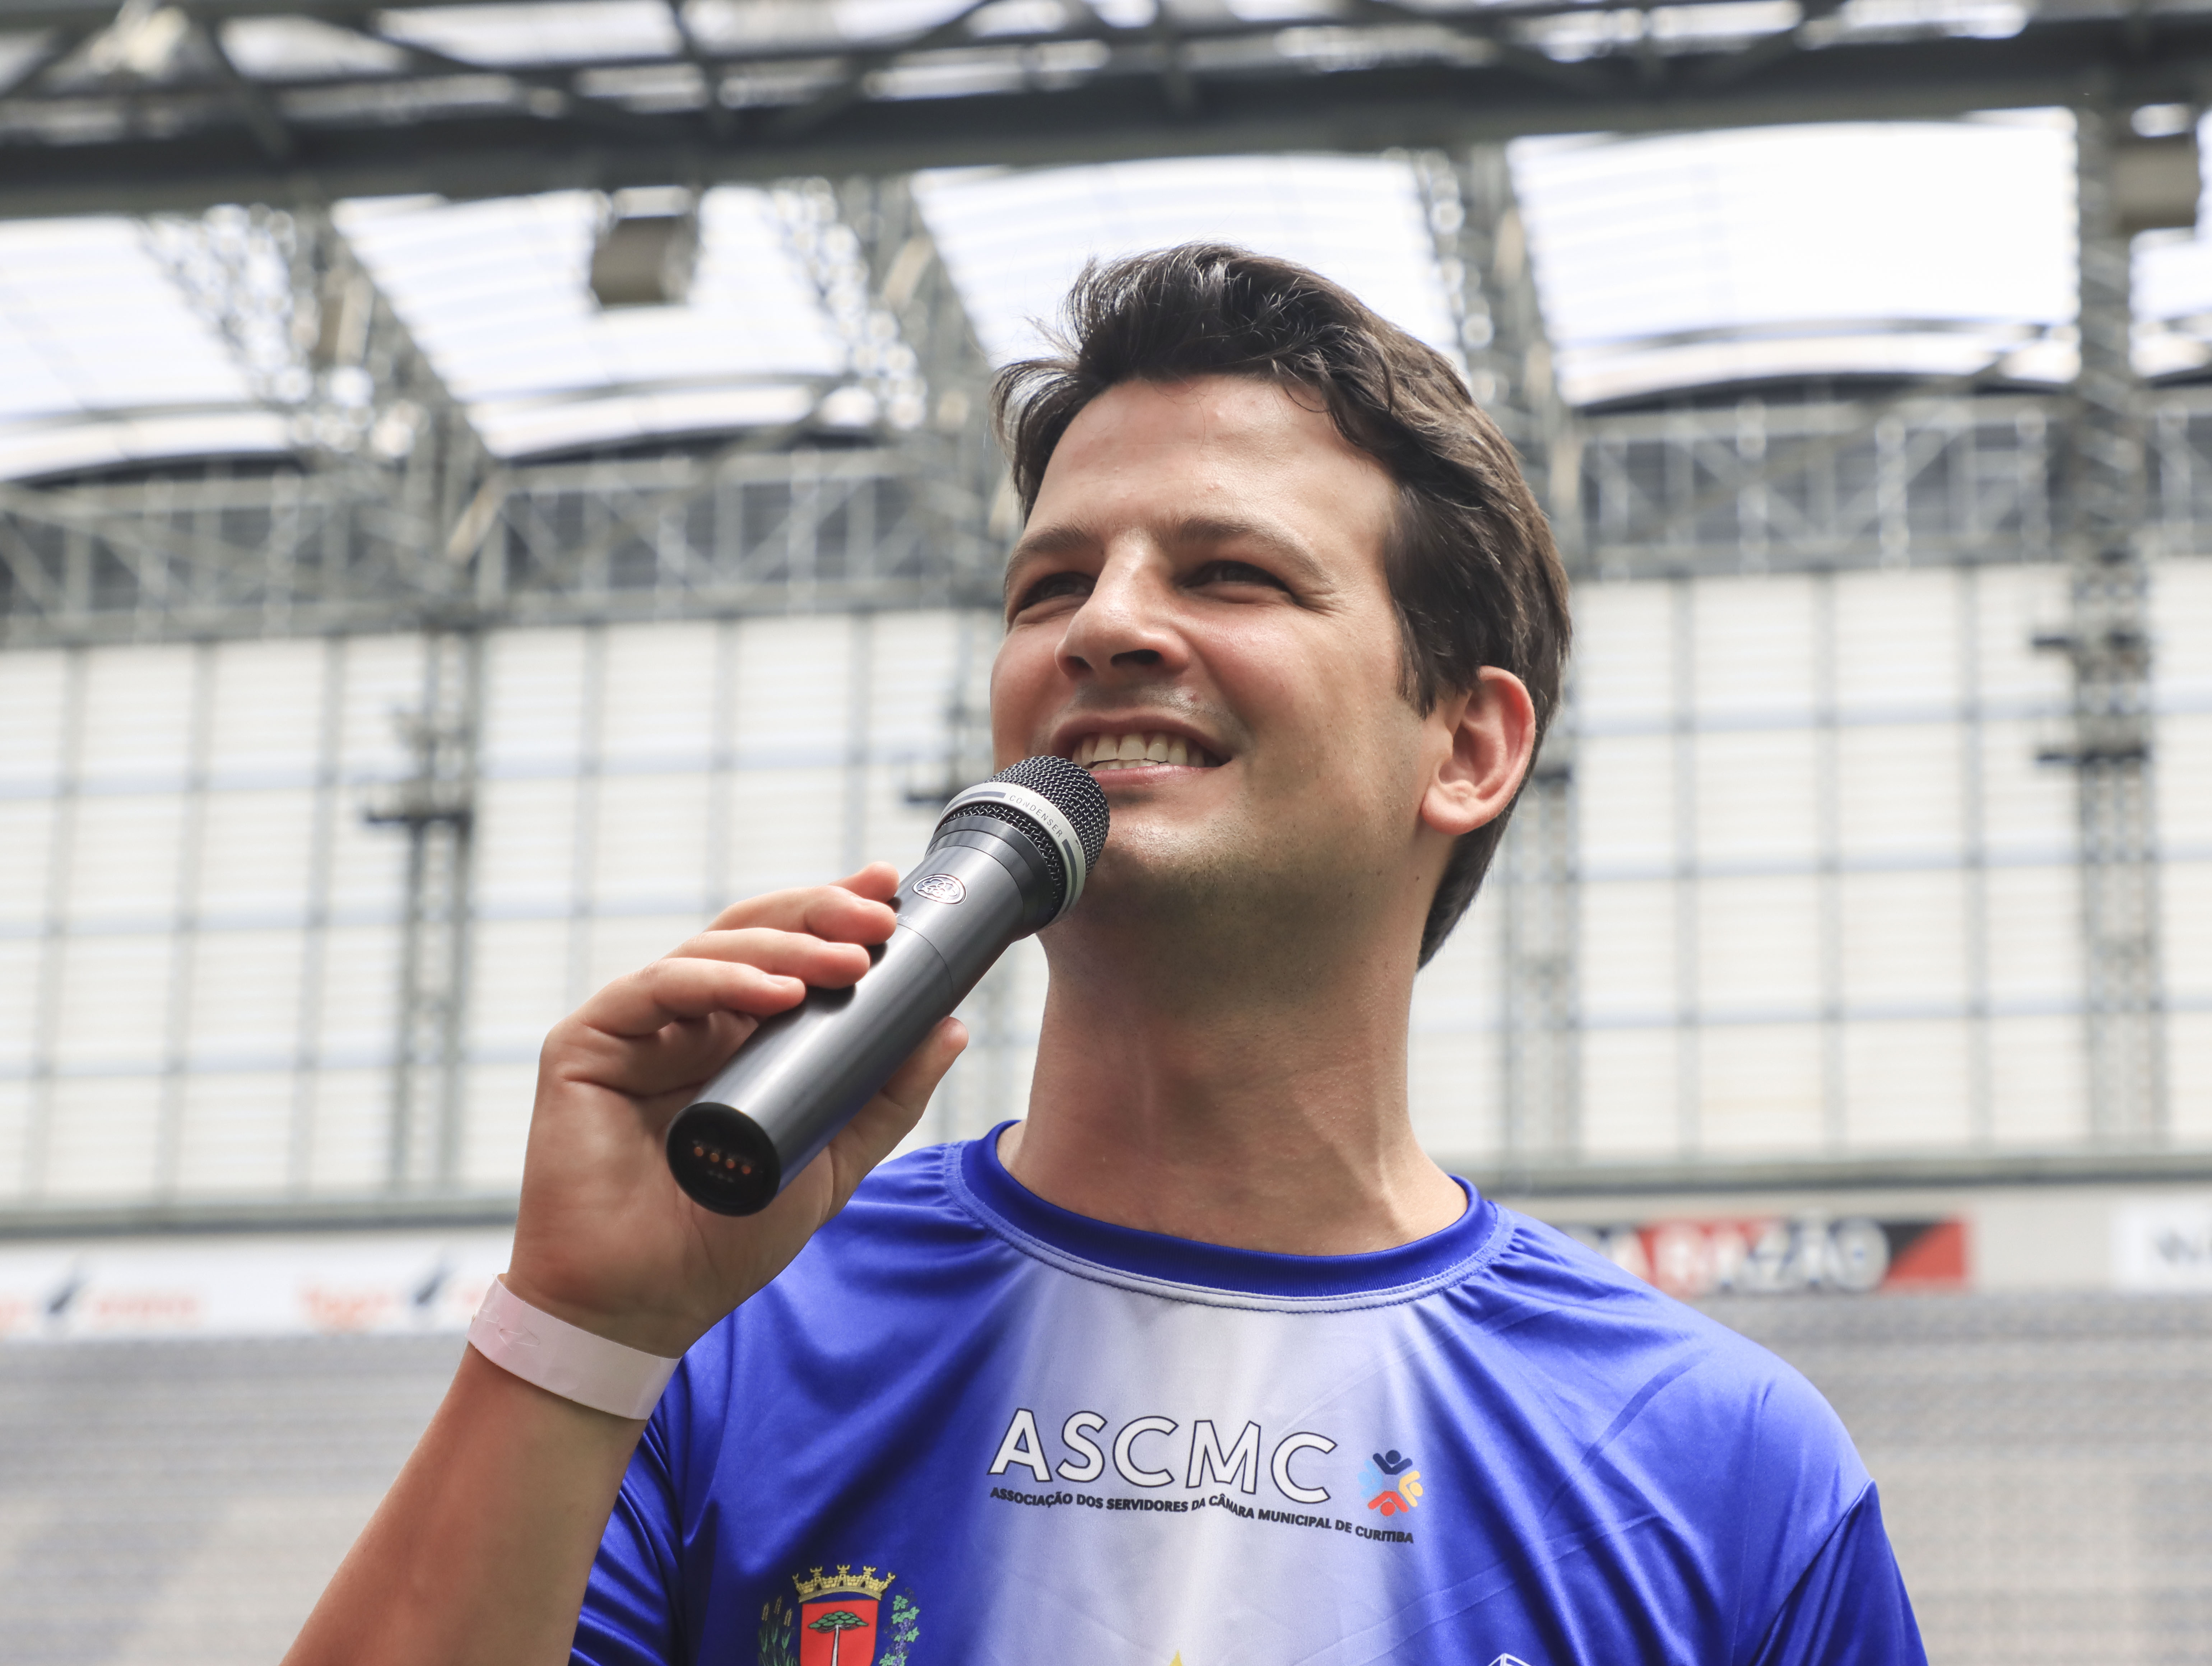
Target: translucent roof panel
<point>1916,247</point>
<point>102,361</point>
<point>1014,240</point>
<point>498,294</point>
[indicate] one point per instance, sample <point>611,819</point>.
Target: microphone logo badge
<point>940,888</point>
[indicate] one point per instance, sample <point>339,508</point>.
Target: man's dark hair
<point>1470,561</point>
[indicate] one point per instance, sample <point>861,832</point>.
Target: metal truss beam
<point>2108,642</point>
<point>194,129</point>
<point>780,521</point>
<point>1483,253</point>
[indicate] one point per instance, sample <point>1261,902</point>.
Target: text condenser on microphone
<point>1009,856</point>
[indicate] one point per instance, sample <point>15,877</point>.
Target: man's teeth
<point>1130,752</point>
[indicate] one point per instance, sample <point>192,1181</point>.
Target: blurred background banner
<point>484,486</point>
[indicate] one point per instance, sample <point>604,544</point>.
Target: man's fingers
<point>826,966</point>
<point>853,911</point>
<point>668,992</point>
<point>891,1114</point>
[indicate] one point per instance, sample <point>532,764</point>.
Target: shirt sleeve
<point>1849,1607</point>
<point>630,1615</point>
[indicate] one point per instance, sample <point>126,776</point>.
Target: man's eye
<point>1052,587</point>
<point>1235,572</point>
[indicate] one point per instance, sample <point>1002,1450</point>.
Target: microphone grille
<point>1073,791</point>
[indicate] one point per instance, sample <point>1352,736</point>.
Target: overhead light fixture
<point>144,40</point>
<point>647,250</point>
<point>2155,182</point>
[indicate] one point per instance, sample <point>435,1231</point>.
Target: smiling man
<point>1204,1360</point>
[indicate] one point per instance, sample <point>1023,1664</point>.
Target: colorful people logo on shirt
<point>837,1621</point>
<point>1389,1483</point>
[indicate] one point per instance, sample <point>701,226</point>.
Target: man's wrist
<point>565,1360</point>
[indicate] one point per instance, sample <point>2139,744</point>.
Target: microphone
<point>1009,856</point>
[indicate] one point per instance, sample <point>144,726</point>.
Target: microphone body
<point>1009,856</point>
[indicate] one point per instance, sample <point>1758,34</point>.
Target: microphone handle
<point>805,1074</point>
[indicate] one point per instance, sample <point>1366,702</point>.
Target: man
<point>1205,1360</point>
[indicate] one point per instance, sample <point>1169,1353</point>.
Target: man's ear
<point>1487,736</point>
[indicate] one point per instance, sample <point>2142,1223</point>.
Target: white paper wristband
<point>564,1359</point>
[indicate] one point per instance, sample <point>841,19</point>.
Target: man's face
<point>1198,612</point>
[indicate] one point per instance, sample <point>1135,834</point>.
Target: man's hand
<point>479,1553</point>
<point>605,1239</point>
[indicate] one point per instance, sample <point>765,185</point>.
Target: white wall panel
<point>1628,952</point>
<point>1753,652</point>
<point>525,835</point>
<point>256,852</point>
<point>2029,806</point>
<point>32,696</point>
<point>1760,1090</point>
<point>1903,940</point>
<point>360,974</point>
<point>114,1001</point>
<point>243,999</point>
<point>345,1144</point>
<point>15,1120</point>
<point>650,847</point>
<point>2038,1082</point>
<point>234,1138</point>
<point>369,865</point>
<point>382,677</point>
<point>533,699</point>
<point>659,707</point>
<point>1759,947</point>
<point>103,1140</point>
<point>792,680</point>
<point>138,713</point>
<point>2013,605</point>
<point>1630,1098</point>
<point>2184,760</point>
<point>2181,611</point>
<point>913,659</point>
<point>1896,640</point>
<point>786,829</point>
<point>499,1100</point>
<point>1906,1085</point>
<point>267,717</point>
<point>1757,797</point>
<point>2186,900</point>
<point>123,858</point>
<point>1454,1061</point>
<point>519,983</point>
<point>1626,790</point>
<point>22,966</point>
<point>1624,662</point>
<point>2189,1066</point>
<point>620,944</point>
<point>2035,937</point>
<point>26,849</point>
<point>890,827</point>
<point>1899,793</point>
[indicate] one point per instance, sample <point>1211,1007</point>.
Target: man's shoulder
<point>1577,1319</point>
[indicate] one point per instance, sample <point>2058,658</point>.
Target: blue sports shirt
<point>967,1426</point>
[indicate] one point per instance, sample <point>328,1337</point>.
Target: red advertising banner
<point>1780,1254</point>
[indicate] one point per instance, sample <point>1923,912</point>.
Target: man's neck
<point>1265,1123</point>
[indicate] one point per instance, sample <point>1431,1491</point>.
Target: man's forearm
<point>480,1552</point>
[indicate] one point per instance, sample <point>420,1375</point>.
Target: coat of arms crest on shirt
<point>838,1619</point>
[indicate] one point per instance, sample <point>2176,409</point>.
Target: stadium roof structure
<point>172,106</point>
<point>473,155</point>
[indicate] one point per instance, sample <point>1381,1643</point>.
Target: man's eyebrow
<point>1065,540</point>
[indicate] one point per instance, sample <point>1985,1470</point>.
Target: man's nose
<point>1127,625</point>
